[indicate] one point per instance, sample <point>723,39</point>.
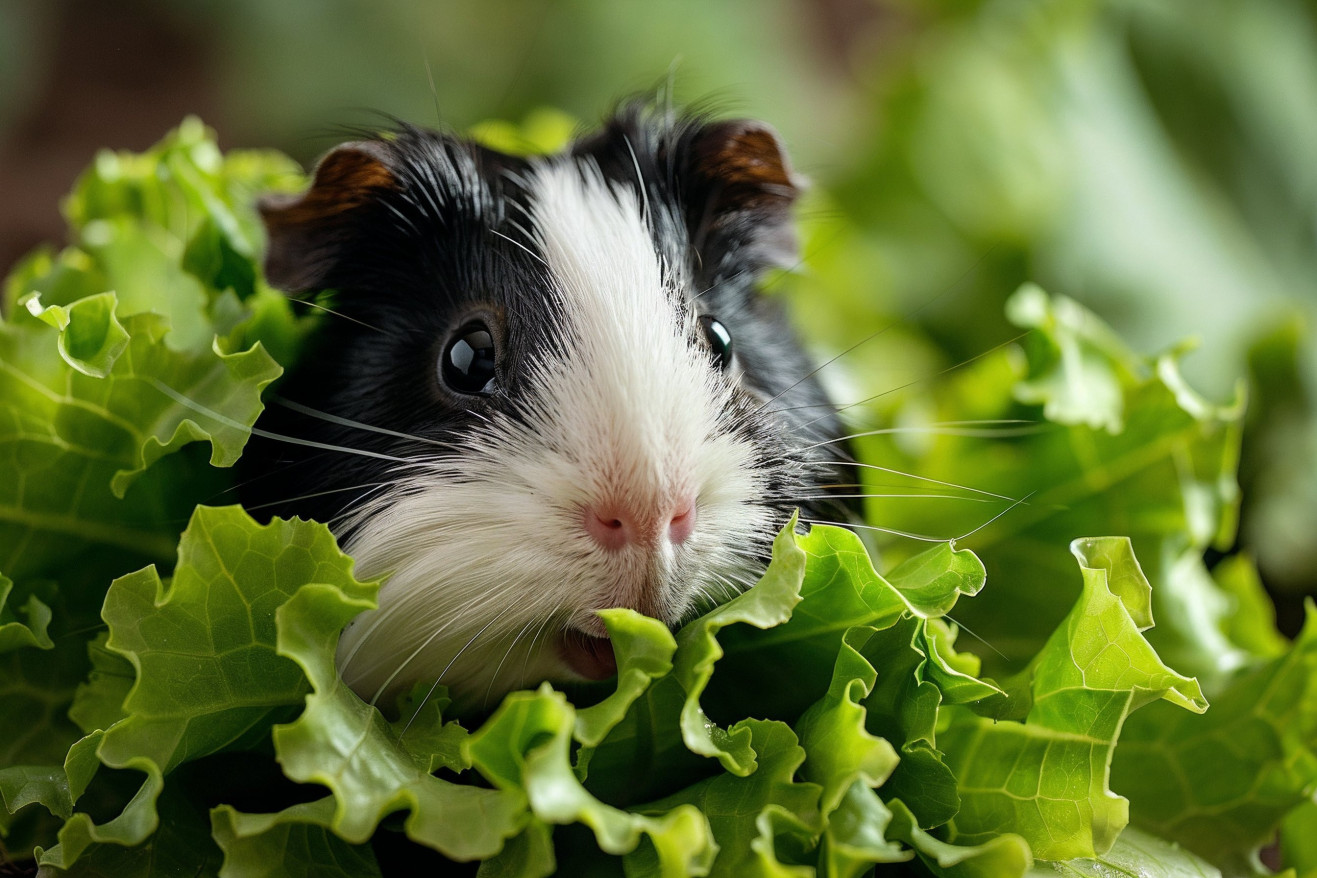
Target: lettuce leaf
<point>101,410</point>
<point>1158,467</point>
<point>1044,776</point>
<point>1222,783</point>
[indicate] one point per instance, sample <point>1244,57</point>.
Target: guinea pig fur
<point>546,386</point>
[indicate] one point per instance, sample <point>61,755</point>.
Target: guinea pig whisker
<point>328,310</point>
<point>266,434</point>
<point>970,632</point>
<point>926,538</point>
<point>817,369</point>
<point>880,496</point>
<point>801,407</point>
<point>919,478</point>
<point>348,422</point>
<point>438,678</point>
<point>379,617</point>
<point>314,494</point>
<point>545,619</point>
<point>945,428</point>
<point>429,693</point>
<point>82,631</point>
<point>971,533</point>
<point>920,380</point>
<point>383,687</point>
<point>507,651</point>
<point>441,674</point>
<point>906,318</point>
<point>499,615</point>
<point>327,446</point>
<point>723,281</point>
<point>530,651</point>
<point>894,487</point>
<point>353,509</point>
<point>964,432</point>
<point>858,486</point>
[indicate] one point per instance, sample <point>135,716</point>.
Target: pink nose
<point>616,526</point>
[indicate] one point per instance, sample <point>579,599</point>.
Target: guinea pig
<point>542,386</point>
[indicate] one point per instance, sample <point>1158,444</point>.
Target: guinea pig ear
<point>306,231</point>
<point>745,191</point>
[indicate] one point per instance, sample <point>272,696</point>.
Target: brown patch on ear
<point>304,230</point>
<point>749,188</point>
<point>746,160</point>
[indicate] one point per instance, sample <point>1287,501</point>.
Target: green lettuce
<point>998,702</point>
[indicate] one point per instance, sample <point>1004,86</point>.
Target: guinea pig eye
<point>467,364</point>
<point>720,342</point>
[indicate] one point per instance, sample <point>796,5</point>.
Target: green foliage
<point>829,720</point>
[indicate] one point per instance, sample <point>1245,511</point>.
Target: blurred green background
<point>1155,160</point>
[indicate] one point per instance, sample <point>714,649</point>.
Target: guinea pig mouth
<point>591,657</point>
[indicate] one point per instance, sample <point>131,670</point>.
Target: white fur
<point>487,556</point>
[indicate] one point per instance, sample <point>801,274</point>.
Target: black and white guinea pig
<point>546,386</point>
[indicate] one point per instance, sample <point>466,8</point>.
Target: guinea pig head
<point>542,387</point>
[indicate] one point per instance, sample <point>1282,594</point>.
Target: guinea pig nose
<point>682,523</point>
<point>611,528</point>
<point>615,526</point>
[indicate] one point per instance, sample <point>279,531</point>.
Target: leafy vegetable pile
<point>169,703</point>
